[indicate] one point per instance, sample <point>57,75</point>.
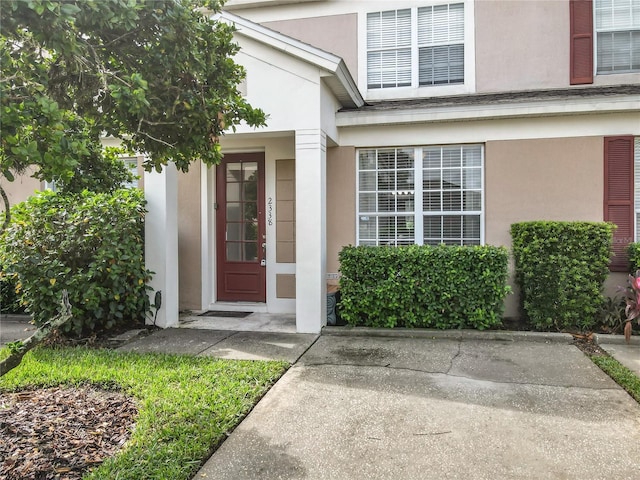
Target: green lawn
<point>186,404</point>
<point>620,374</point>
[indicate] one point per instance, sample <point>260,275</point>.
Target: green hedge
<point>560,269</point>
<point>634,257</point>
<point>89,244</point>
<point>423,286</point>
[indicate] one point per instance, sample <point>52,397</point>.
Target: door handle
<point>263,262</point>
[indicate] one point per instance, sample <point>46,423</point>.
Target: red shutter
<point>618,196</point>
<point>581,49</point>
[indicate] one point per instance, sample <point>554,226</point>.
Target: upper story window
<point>617,26</point>
<point>416,47</point>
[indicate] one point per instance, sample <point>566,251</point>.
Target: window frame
<point>132,162</point>
<point>596,44</point>
<point>128,160</point>
<point>415,90</point>
<point>419,213</point>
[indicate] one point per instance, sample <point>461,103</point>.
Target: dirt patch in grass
<point>61,433</point>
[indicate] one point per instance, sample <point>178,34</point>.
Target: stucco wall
<point>20,189</point>
<point>270,73</point>
<point>543,179</point>
<point>189,238</point>
<point>521,45</point>
<point>341,203</point>
<point>337,34</point>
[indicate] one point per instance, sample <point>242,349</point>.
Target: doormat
<point>220,313</point>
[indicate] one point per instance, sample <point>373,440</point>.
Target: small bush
<point>560,269</point>
<point>634,257</point>
<point>423,286</point>
<point>612,315</point>
<point>89,244</point>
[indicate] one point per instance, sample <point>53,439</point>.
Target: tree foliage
<point>88,244</point>
<point>157,74</point>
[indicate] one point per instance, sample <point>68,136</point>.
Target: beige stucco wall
<point>189,239</point>
<point>521,45</point>
<point>341,203</point>
<point>337,34</point>
<point>543,179</point>
<point>20,189</point>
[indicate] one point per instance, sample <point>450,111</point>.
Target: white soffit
<point>337,76</point>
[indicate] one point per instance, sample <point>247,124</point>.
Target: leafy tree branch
<point>157,74</point>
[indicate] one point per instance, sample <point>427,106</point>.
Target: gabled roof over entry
<point>338,78</point>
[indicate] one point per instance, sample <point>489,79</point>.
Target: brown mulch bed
<point>587,344</point>
<point>61,433</point>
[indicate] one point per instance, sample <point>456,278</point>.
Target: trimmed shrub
<point>560,269</point>
<point>634,257</point>
<point>89,244</point>
<point>423,286</point>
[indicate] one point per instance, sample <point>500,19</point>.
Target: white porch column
<point>161,241</point>
<point>311,241</point>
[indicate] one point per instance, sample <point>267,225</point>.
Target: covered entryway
<point>240,227</point>
<point>262,216</point>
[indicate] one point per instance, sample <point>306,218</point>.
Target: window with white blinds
<point>424,195</point>
<point>617,25</point>
<point>389,49</point>
<point>429,51</point>
<point>441,44</point>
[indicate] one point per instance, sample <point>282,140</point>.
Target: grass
<point>186,404</point>
<point>620,374</point>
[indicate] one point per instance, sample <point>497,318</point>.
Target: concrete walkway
<point>626,353</point>
<point>225,344</point>
<point>468,407</point>
<point>386,404</point>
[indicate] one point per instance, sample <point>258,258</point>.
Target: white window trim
<point>595,46</point>
<point>129,161</point>
<point>418,192</point>
<point>469,85</point>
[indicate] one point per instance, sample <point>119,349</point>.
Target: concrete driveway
<point>15,327</point>
<point>358,407</point>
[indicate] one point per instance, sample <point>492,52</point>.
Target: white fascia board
<point>240,4</point>
<point>349,84</point>
<point>326,61</point>
<point>477,112</point>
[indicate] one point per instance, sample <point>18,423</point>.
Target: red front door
<point>240,228</point>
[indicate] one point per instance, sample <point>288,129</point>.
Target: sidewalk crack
<point>453,359</point>
<point>446,374</point>
<point>233,332</point>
